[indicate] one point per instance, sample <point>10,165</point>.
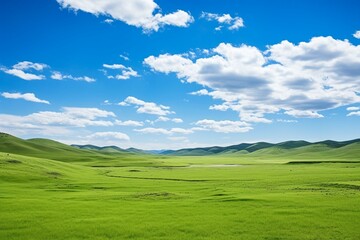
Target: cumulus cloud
<point>26,65</point>
<point>125,72</point>
<point>68,116</point>
<point>297,79</point>
<point>129,123</point>
<point>109,136</point>
<point>354,111</point>
<point>225,126</point>
<point>357,113</point>
<point>166,119</point>
<point>23,75</point>
<point>177,120</point>
<point>19,69</point>
<point>30,71</point>
<point>303,114</point>
<point>232,23</point>
<point>25,96</point>
<point>59,76</point>
<point>146,107</point>
<point>357,35</point>
<point>145,14</point>
<point>353,108</point>
<point>59,123</point>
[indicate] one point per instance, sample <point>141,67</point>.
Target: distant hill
<point>46,148</point>
<point>113,149</point>
<point>136,150</point>
<point>264,148</point>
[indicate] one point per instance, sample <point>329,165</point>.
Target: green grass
<point>109,196</point>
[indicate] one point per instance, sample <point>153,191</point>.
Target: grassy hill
<point>50,190</point>
<point>45,148</point>
<point>109,149</point>
<point>289,149</point>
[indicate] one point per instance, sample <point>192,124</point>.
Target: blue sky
<point>163,74</point>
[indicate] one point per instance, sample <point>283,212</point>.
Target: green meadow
<point>59,192</point>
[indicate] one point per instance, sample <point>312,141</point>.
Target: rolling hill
<point>45,148</point>
<point>288,148</point>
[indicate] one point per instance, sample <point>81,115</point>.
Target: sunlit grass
<point>158,197</point>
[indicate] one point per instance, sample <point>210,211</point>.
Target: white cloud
<point>22,125</point>
<point>59,76</point>
<point>26,96</point>
<point>303,114</point>
<point>126,72</point>
<point>181,130</point>
<point>21,74</point>
<point>286,121</point>
<point>299,79</point>
<point>151,130</point>
<point>129,123</point>
<point>162,119</point>
<point>126,58</point>
<point>145,14</point>
<point>75,117</point>
<point>109,21</point>
<point>225,126</point>
<point>164,131</point>
<point>88,113</point>
<point>201,92</point>
<point>233,23</point>
<point>106,102</point>
<point>109,136</point>
<point>357,113</point>
<point>26,65</point>
<point>146,107</point>
<point>353,108</point>
<point>19,69</point>
<point>166,119</point>
<point>55,123</point>
<point>357,35</point>
<point>114,66</point>
<point>177,120</point>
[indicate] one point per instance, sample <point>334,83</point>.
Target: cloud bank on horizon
<point>182,83</point>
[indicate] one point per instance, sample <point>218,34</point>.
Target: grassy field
<point>159,197</point>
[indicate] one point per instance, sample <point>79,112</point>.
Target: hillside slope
<point>45,148</point>
<point>293,149</point>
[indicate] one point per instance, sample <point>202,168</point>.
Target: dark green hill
<point>292,144</point>
<point>113,149</point>
<point>288,148</point>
